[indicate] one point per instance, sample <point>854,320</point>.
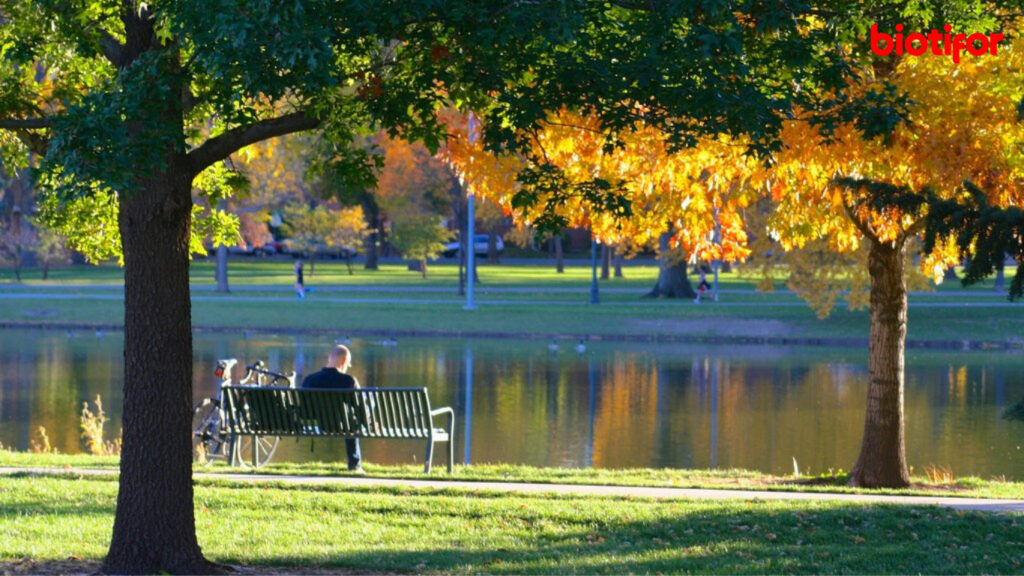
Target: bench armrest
<point>451,417</point>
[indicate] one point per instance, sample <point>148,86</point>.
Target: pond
<point>615,405</point>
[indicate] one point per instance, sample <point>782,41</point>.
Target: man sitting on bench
<point>335,375</point>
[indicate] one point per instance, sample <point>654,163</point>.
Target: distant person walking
<point>703,286</point>
<point>335,375</point>
<point>300,286</point>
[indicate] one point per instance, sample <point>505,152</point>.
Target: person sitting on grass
<point>335,376</point>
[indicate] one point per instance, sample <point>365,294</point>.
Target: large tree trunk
<point>882,461</point>
<point>559,257</point>
<point>672,280</point>
<point>154,526</point>
<point>222,269</point>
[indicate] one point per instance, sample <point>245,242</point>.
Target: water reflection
<point>614,405</point>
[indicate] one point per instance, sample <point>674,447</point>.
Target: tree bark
<point>672,280</point>
<point>154,525</point>
<point>618,262</point>
<point>606,262</point>
<point>222,269</point>
<point>492,245</point>
<point>559,257</point>
<point>882,461</point>
<point>1000,282</point>
<point>372,217</point>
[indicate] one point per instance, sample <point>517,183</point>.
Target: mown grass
<point>640,319</point>
<point>248,271</point>
<point>517,299</point>
<point>832,482</point>
<point>404,530</point>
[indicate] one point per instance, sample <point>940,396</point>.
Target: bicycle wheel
<point>209,438</point>
<point>264,446</point>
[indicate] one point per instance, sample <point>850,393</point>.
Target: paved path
<point>969,504</point>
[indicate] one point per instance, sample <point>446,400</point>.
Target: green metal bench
<point>390,413</point>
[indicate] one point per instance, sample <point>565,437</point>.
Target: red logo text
<point>947,44</point>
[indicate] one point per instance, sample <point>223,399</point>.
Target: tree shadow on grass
<point>710,538</point>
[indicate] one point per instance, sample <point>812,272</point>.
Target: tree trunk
<point>423,268</point>
<point>222,269</point>
<point>348,262</point>
<point>1000,283</point>
<point>46,270</point>
<point>618,262</point>
<point>372,217</point>
<point>492,245</point>
<point>672,280</point>
<point>559,257</point>
<point>17,263</point>
<point>950,274</point>
<point>606,262</point>
<point>882,461</point>
<point>154,525</point>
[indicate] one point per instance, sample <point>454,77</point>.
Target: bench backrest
<point>365,412</point>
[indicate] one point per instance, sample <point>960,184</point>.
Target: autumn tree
<point>420,237</point>
<point>869,184</point>
<point>414,194</point>
<point>50,248</point>
<point>323,227</point>
<point>644,191</point>
<point>16,241</point>
<point>349,232</point>
<point>137,100</point>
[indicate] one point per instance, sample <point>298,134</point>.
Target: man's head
<point>340,358</point>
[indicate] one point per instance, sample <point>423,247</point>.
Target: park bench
<point>389,413</point>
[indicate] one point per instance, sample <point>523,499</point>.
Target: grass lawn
<point>391,530</point>
<point>524,300</point>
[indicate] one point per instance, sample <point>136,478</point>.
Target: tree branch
<point>24,123</point>
<point>220,147</point>
<point>861,226</point>
<point>23,129</point>
<point>112,49</point>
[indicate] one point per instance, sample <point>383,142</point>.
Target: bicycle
<point>211,438</point>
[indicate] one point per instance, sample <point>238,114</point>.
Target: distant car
<point>480,243</point>
<point>242,249</point>
<point>272,248</point>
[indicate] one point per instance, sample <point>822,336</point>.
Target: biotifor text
<point>947,44</point>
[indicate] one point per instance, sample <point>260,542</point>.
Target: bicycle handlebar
<point>258,370</point>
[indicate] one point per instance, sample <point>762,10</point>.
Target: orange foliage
<point>680,190</point>
<point>962,126</point>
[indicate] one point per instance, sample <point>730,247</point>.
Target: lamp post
<point>718,241</point>
<point>470,239</point>
<point>594,296</point>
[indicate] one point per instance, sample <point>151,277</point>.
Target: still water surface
<point>613,406</point>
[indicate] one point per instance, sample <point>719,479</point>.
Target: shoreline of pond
<point>660,338</point>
